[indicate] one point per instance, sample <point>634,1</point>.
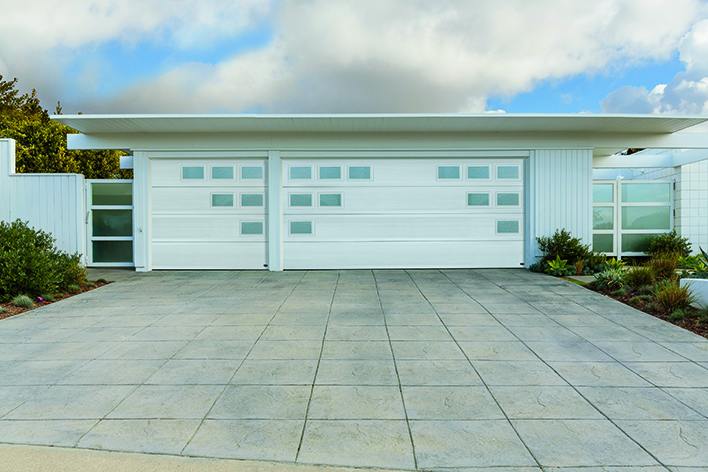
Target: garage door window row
<point>477,172</point>
<point>503,199</point>
<point>221,173</point>
<point>306,200</point>
<point>333,173</point>
<point>247,200</point>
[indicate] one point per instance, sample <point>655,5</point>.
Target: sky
<point>360,56</point>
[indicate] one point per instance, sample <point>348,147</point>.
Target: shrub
<point>670,296</point>
<point>678,315</point>
<point>703,316</point>
<point>3,310</point>
<point>638,299</point>
<point>610,279</point>
<point>620,292</point>
<point>579,267</point>
<point>48,298</point>
<point>90,284</point>
<point>664,267</point>
<point>104,281</point>
<point>645,290</point>
<point>694,263</point>
<point>73,288</point>
<point>558,267</point>
<point>23,301</point>
<point>669,243</point>
<point>70,270</point>
<point>639,276</point>
<point>564,246</point>
<point>595,262</point>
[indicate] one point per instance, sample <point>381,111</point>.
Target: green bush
<point>670,296</point>
<point>620,292</point>
<point>664,267</point>
<point>23,301</point>
<point>639,276</point>
<point>48,298</point>
<point>610,279</point>
<point>638,299</point>
<point>564,246</point>
<point>678,315</point>
<point>669,243</point>
<point>558,267</point>
<point>3,310</point>
<point>70,270</point>
<point>73,288</point>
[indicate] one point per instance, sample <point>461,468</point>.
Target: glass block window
<point>507,199</point>
<point>507,227</point>
<point>251,227</point>
<point>478,172</point>
<point>646,193</point>
<point>603,242</point>
<point>360,172</point>
<point>222,199</point>
<point>330,172</point>
<point>330,199</point>
<point>507,172</point>
<point>478,199</point>
<point>603,193</point>
<point>112,194</point>
<point>222,172</point>
<point>251,172</point>
<point>251,199</point>
<point>300,199</point>
<point>603,218</point>
<point>301,173</point>
<point>301,227</point>
<point>193,173</point>
<point>449,172</point>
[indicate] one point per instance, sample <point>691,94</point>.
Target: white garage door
<point>209,214</point>
<point>403,213</point>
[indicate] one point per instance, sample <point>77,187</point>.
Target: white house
<point>364,191</point>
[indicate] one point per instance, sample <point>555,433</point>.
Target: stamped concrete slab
<point>154,436</point>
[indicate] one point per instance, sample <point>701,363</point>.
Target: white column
<point>275,212</point>
<point>142,212</point>
<point>7,167</point>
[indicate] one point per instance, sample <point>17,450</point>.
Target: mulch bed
<point>14,310</point>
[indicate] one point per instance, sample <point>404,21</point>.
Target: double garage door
<point>340,213</point>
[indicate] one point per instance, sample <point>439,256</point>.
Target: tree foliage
<point>41,142</point>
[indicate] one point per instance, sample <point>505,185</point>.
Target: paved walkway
<point>390,369</point>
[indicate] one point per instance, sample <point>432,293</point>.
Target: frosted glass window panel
<point>222,200</point>
<point>330,172</point>
<point>360,172</point>
<point>222,173</point>
<point>508,199</point>
<point>193,173</point>
<point>251,172</point>
<point>478,172</point>
<point>603,193</point>
<point>603,218</point>
<point>301,173</point>
<point>507,172</point>
<point>112,251</point>
<point>635,242</point>
<point>478,199</point>
<point>112,223</point>
<point>506,227</point>
<point>330,199</point>
<point>646,217</point>
<point>251,199</point>
<point>251,227</point>
<point>449,172</point>
<point>646,193</point>
<point>112,194</point>
<point>603,242</point>
<point>300,199</point>
<point>301,227</point>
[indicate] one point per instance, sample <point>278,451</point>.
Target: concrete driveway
<point>391,369</point>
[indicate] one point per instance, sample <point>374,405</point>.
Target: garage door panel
<point>201,255</point>
<point>204,228</point>
<point>199,200</point>
<point>168,172</point>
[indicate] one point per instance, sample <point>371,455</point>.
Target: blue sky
<point>347,56</point>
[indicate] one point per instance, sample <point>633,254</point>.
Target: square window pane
<point>507,172</point>
<point>112,194</point>
<point>478,172</point>
<point>646,193</point>
<point>508,226</point>
<point>646,217</point>
<point>603,242</point>
<point>222,172</point>
<point>251,227</point>
<point>330,199</point>
<point>301,199</point>
<point>301,173</point>
<point>478,199</point>
<point>331,172</point>
<point>603,218</point>
<point>112,251</point>
<point>603,193</point>
<point>301,227</point>
<point>189,173</point>
<point>112,223</point>
<point>508,199</point>
<point>448,172</point>
<point>222,200</point>
<point>251,199</point>
<point>251,172</point>
<point>635,242</point>
<point>360,172</point>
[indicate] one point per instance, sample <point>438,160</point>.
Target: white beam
<point>275,213</point>
<point>142,212</point>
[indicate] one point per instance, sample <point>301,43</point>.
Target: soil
<point>14,310</point>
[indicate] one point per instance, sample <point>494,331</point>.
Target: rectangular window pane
<point>189,173</point>
<point>508,199</point>
<point>112,194</point>
<point>603,193</point>
<point>112,223</point>
<point>251,199</point>
<point>448,172</point>
<point>508,226</point>
<point>478,172</point>
<point>222,200</point>
<point>646,217</point>
<point>603,218</point>
<point>251,227</point>
<point>301,173</point>
<point>603,242</point>
<point>635,242</point>
<point>478,199</point>
<point>507,172</point>
<point>334,172</point>
<point>330,199</point>
<point>112,251</point>
<point>251,172</point>
<point>301,199</point>
<point>646,193</point>
<point>222,172</point>
<point>301,227</point>
<point>360,172</point>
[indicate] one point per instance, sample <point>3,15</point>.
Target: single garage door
<point>209,214</point>
<point>403,213</point>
